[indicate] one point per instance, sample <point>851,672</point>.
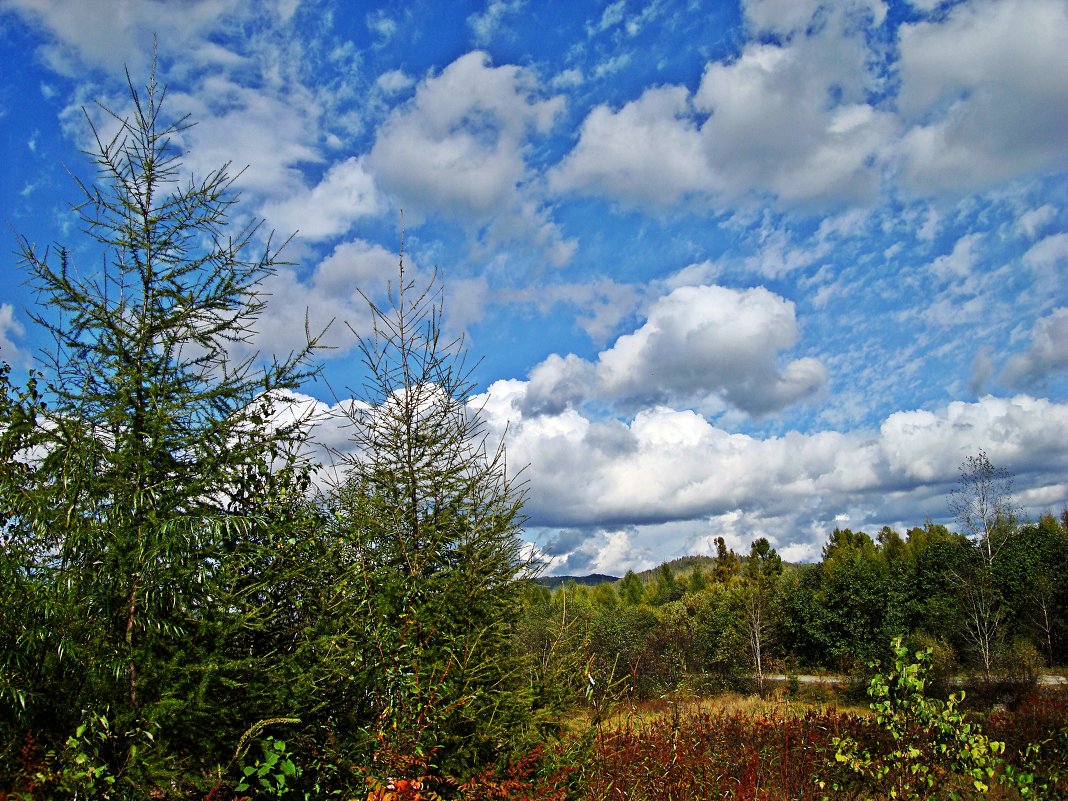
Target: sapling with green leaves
<point>934,749</point>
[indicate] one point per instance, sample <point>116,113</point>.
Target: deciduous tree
<point>760,577</point>
<point>984,505</point>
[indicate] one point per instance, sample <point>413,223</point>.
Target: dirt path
<point>1045,680</point>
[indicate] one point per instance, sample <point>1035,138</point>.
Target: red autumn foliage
<point>527,778</point>
<point>703,755</point>
<point>779,756</point>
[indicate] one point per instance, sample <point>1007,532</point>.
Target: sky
<point>753,269</point>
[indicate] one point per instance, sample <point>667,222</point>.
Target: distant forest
<point>994,604</point>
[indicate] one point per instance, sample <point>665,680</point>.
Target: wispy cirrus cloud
<point>486,25</point>
<point>96,34</point>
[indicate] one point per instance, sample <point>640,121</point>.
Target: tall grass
<point>745,748</point>
<point>736,751</point>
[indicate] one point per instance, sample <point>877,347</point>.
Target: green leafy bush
<point>931,744</point>
<point>272,774</point>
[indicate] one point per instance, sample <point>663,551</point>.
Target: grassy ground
<point>780,698</point>
<point>735,746</point>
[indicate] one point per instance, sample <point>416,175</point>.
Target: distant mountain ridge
<point>681,568</point>
<point>552,582</point>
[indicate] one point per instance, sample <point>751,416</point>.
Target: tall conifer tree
<point>157,464</point>
<point>432,520</point>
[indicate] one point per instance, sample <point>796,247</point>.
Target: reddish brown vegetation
<point>773,755</point>
<point>703,755</point>
<point>780,755</point>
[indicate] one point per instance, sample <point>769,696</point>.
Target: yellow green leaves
<point>931,742</point>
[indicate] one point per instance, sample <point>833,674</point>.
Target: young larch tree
<point>156,458</point>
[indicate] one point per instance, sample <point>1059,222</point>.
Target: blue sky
<point>732,270</point>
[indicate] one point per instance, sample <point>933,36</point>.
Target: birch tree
<point>760,580</point>
<point>984,506</point>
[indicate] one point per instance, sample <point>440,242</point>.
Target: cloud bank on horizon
<point>748,270</point>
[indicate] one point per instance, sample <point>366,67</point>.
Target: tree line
<point>994,604</point>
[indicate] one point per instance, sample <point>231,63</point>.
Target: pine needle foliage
<point>156,466</point>
<point>432,520</point>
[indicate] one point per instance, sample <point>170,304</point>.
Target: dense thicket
<point>176,595</point>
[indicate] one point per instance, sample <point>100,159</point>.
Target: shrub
<point>931,743</point>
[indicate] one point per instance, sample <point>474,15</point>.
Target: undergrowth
<point>695,749</point>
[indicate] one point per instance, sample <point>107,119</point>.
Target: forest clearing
<point>195,608</point>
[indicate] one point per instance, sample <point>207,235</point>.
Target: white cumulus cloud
<point>790,120</point>
<point>669,467</point>
<point>649,150</point>
<point>924,446</point>
<point>345,194</point>
<point>458,149</point>
<point>329,297</point>
<point>701,346</point>
<point>985,91</point>
<point>794,120</point>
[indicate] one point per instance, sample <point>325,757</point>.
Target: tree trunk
<point>131,612</point>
